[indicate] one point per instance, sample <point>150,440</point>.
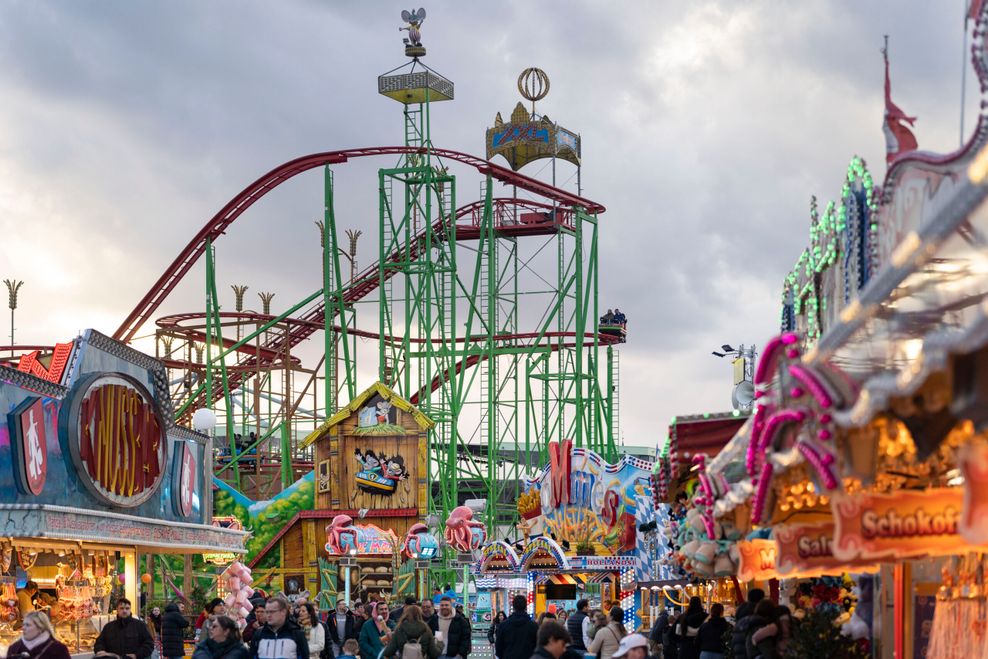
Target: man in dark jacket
<point>125,637</point>
<point>429,613</point>
<point>552,639</point>
<point>173,624</point>
<point>280,638</point>
<point>455,629</point>
<point>742,622</point>
<point>578,626</point>
<point>517,636</point>
<point>342,627</point>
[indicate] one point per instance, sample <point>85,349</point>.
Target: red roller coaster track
<point>259,188</point>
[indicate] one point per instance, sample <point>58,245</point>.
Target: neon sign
<point>29,363</point>
<point>117,438</point>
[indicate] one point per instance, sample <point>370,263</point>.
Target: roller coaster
<point>483,315</point>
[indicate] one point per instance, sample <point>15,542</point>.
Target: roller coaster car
<point>371,481</point>
<point>620,330</point>
<point>548,218</point>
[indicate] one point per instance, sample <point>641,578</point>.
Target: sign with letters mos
<point>116,437</point>
<point>902,525</point>
<point>757,560</point>
<point>30,443</point>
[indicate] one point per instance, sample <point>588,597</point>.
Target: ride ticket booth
<point>94,473</point>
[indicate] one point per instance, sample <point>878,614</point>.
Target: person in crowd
<point>776,632</point>
<point>399,610</point>
<point>25,598</point>
<point>670,640</point>
<point>359,617</point>
<point>342,626</point>
<point>632,646</point>
<point>412,629</point>
<point>280,637</point>
<point>552,640</point>
<point>315,634</point>
<point>125,636</point>
<point>173,624</point>
<point>740,635</point>
<point>154,622</point>
<point>492,630</point>
<point>578,626</point>
<point>688,626</point>
<point>215,607</point>
<point>599,622</point>
<point>257,619</point>
<point>517,636</point>
<point>607,639</point>
<point>710,638</point>
<point>764,645</point>
<point>454,630</point>
<point>562,615</point>
<point>37,640</point>
<point>376,632</point>
<point>658,630</point>
<point>607,318</point>
<point>223,641</point>
<point>546,615</point>
<point>429,613</point>
<point>351,649</point>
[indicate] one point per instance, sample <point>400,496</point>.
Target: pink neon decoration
<point>811,382</point>
<point>770,357</point>
<point>757,425</point>
<point>796,392</point>
<point>824,434</point>
<point>775,424</point>
<point>820,464</point>
<point>790,339</point>
<point>792,353</point>
<point>764,479</point>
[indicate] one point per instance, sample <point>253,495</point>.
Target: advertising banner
<point>806,550</point>
<point>757,560</point>
<point>907,524</point>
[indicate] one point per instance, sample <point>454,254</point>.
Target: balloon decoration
<point>238,580</point>
<point>146,579</point>
<point>122,578</point>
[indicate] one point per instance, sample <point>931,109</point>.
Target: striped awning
<point>600,577</point>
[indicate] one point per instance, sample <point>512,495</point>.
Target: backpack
<point>413,649</point>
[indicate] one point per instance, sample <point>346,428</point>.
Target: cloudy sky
<point>706,128</point>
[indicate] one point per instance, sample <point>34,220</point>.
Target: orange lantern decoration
<point>146,579</point>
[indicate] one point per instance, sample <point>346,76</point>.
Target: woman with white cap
<point>632,646</point>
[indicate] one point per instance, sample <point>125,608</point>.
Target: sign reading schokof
<point>902,525</point>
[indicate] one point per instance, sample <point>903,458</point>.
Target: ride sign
<point>757,560</point>
<point>116,438</point>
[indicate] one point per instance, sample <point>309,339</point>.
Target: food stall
<point>100,475</point>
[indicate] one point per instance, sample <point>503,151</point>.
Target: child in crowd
<point>351,649</point>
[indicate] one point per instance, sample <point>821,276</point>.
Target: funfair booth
<point>580,519</point>
<point>95,474</point>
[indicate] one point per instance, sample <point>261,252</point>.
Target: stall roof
<point>930,302</point>
<point>704,433</point>
<point>75,524</point>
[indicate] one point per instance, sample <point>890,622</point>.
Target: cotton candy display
<point>237,581</point>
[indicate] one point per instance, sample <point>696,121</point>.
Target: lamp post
<point>348,562</point>
<point>13,286</point>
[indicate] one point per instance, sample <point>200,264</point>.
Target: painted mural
<point>587,503</point>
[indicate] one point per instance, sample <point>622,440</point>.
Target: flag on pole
<point>898,137</point>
